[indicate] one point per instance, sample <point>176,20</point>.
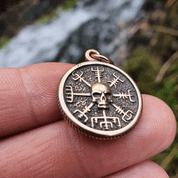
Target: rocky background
<point>141,36</point>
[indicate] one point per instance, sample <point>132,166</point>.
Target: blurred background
<point>140,36</point>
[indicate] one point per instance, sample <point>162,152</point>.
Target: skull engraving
<point>101,94</point>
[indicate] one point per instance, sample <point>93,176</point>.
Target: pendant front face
<point>99,99</point>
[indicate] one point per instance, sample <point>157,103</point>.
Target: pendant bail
<point>94,55</point>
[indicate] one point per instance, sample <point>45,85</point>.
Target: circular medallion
<point>99,99</point>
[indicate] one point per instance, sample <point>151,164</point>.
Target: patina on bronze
<point>99,99</point>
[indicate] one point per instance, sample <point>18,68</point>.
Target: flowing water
<point>104,25</point>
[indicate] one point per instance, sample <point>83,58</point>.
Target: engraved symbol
<point>105,123</point>
<point>126,115</point>
<point>125,96</point>
<point>70,94</point>
<point>115,80</point>
<point>97,73</point>
<point>81,102</point>
<point>115,120</point>
<point>101,94</point>
<point>81,79</point>
<point>85,110</point>
<point>113,114</point>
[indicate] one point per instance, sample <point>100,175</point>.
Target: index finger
<point>57,150</point>
<point>28,96</point>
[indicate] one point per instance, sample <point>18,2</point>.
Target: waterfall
<point>103,25</point>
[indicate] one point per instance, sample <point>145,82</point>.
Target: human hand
<point>37,142</point>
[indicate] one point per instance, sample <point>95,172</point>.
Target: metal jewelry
<point>99,99</point>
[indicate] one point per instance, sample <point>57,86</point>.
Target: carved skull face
<point>101,94</point>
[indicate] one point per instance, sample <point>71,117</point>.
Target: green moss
<point>144,70</point>
<point>166,93</point>
<point>3,41</point>
<point>69,4</point>
<point>47,18</point>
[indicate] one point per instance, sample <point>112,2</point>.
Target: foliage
<point>144,66</point>
<point>69,4</point>
<point>144,69</point>
<point>155,70</point>
<point>4,40</point>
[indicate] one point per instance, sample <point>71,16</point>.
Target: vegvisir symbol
<point>99,99</point>
<point>80,78</point>
<point>115,80</point>
<point>98,73</point>
<point>101,95</point>
<point>125,95</point>
<point>70,94</point>
<point>125,116</point>
<point>85,110</point>
<point>106,123</point>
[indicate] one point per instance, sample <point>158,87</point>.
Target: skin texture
<point>37,142</point>
<point>145,169</point>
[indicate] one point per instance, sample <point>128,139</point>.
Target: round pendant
<point>99,100</point>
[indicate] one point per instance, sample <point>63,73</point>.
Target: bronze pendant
<point>99,99</point>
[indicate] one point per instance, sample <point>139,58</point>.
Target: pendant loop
<point>94,55</point>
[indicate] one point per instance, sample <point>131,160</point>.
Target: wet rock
<point>17,14</point>
<point>3,27</point>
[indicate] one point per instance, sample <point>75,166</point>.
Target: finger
<point>28,96</point>
<point>57,150</point>
<point>145,169</point>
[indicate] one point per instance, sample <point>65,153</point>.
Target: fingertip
<point>29,96</point>
<point>146,169</point>
<point>163,115</point>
